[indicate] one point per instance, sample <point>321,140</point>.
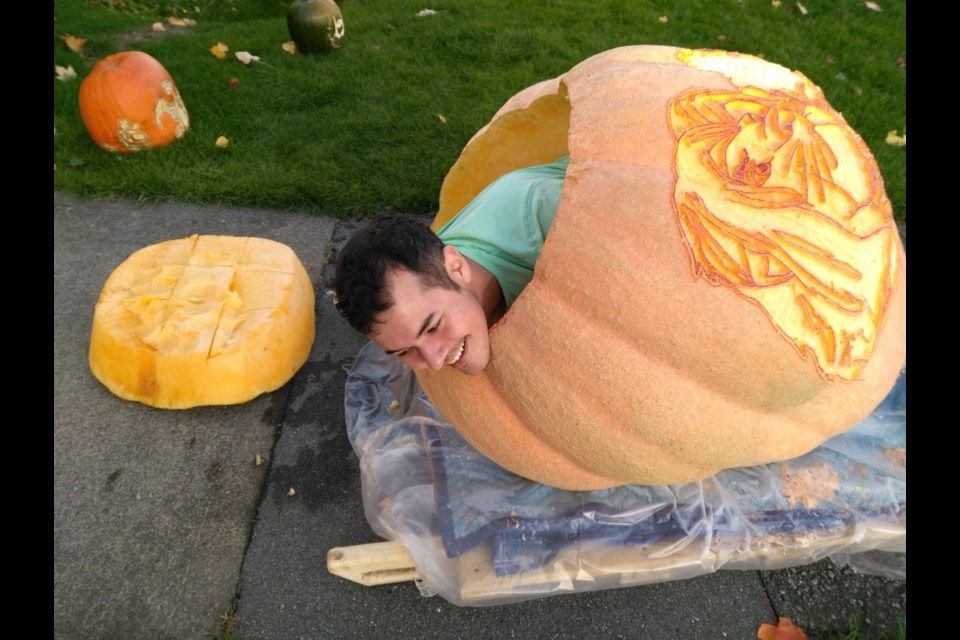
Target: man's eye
<point>434,328</point>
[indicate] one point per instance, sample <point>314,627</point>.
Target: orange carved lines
<point>761,211</point>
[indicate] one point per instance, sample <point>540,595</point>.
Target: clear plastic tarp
<point>481,535</point>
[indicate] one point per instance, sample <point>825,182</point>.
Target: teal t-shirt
<point>504,227</point>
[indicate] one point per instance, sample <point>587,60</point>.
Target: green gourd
<point>316,26</point>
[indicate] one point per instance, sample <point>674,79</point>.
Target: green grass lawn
<point>378,123</point>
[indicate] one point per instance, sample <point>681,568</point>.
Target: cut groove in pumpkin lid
<point>204,320</point>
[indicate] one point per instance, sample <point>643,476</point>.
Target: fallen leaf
<point>181,22</point>
<point>290,47</point>
<point>901,62</point>
<point>775,4</point>
<point>442,119</point>
<point>873,6</point>
<point>246,57</point>
<point>219,50</point>
<point>222,142</point>
<point>722,38</point>
<point>234,82</point>
<point>663,19</point>
<point>830,59</point>
<point>292,492</point>
<point>258,460</point>
<point>73,43</point>
<point>157,26</point>
<point>375,47</point>
<point>802,8</point>
<point>426,12</point>
<point>64,73</point>
<point>785,630</point>
<point>897,140</point>
<point>858,91</point>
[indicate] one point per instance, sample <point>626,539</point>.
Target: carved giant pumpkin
<point>130,103</point>
<point>724,284</point>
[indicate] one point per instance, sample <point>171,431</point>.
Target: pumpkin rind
<point>129,102</point>
<point>691,310</point>
<point>316,26</point>
<point>204,320</point>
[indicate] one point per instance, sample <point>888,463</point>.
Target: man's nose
<point>436,355</point>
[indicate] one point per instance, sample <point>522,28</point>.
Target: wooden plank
<point>372,564</point>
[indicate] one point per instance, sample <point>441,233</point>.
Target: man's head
<point>398,284</point>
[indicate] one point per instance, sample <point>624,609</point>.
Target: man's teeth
<point>459,353</point>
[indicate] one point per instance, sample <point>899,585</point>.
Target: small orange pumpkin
<point>130,103</point>
<point>724,284</point>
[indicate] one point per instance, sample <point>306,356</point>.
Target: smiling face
<point>433,327</point>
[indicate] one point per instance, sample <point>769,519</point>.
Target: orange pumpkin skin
<point>130,103</point>
<point>701,302</point>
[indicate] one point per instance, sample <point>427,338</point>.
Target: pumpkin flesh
<point>205,320</point>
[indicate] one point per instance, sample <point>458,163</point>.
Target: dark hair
<point>391,240</point>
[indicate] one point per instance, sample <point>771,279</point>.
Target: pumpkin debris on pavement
<point>785,630</point>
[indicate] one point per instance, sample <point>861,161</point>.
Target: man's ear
<point>458,267</point>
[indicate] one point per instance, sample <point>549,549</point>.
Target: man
<point>430,299</point>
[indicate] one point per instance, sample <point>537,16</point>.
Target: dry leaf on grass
<point>663,19</point>
<point>157,27</point>
<point>64,73</point>
<point>290,47</point>
<point>873,6</point>
<point>73,43</point>
<point>426,12</point>
<point>222,142</point>
<point>181,22</point>
<point>246,57</point>
<point>802,8</point>
<point>897,140</point>
<point>441,118</point>
<point>219,50</point>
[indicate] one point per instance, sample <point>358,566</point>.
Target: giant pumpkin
<point>130,103</point>
<point>204,320</point>
<point>724,284</point>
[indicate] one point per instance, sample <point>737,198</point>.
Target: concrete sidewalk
<point>164,526</point>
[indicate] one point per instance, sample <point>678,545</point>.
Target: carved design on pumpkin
<point>170,103</point>
<point>130,135</point>
<point>770,204</point>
